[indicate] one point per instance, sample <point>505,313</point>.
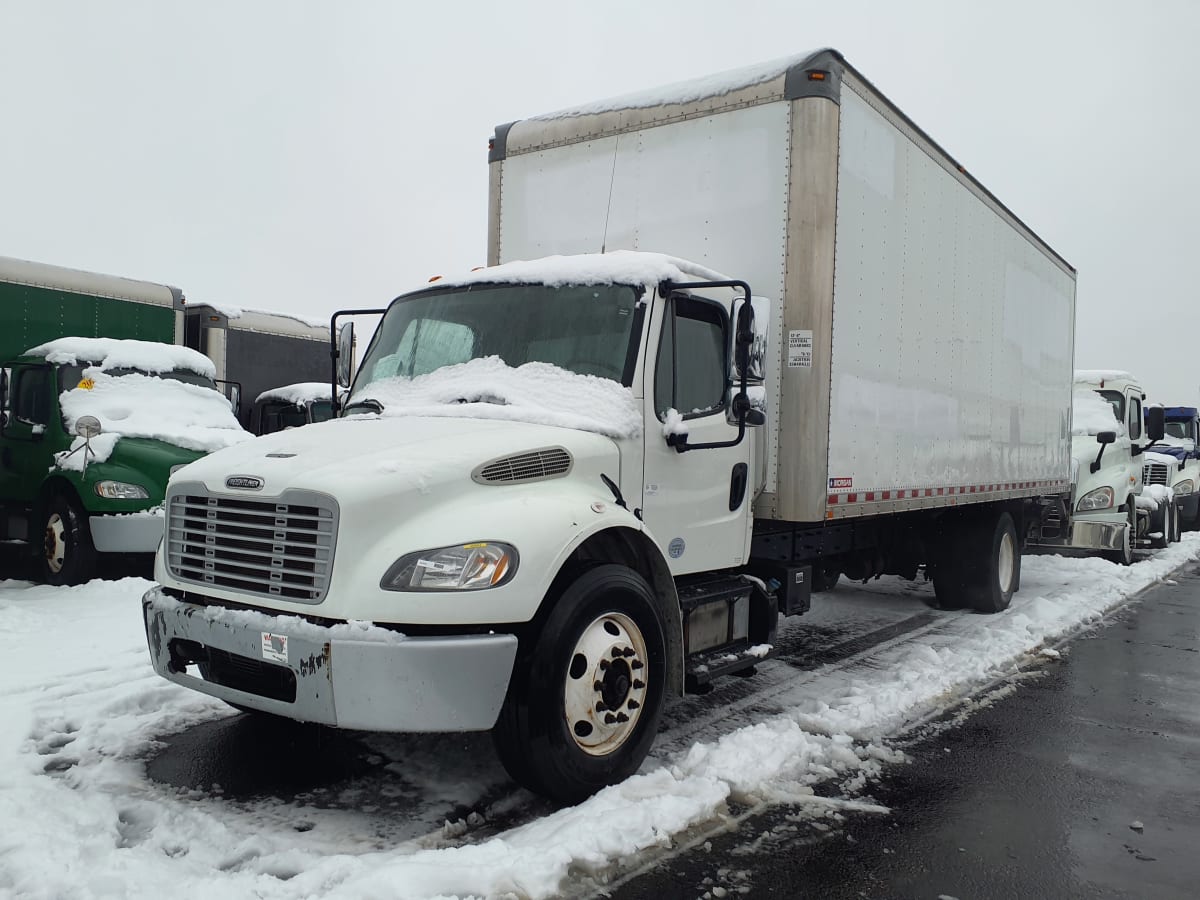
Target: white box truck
<point>564,490</point>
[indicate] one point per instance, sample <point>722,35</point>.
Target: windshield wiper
<point>368,403</point>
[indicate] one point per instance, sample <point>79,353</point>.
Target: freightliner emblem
<point>244,482</point>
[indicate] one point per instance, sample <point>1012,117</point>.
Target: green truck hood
<point>141,461</point>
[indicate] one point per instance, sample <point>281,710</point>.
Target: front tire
<point>68,556</point>
<point>1123,555</point>
<point>1160,524</point>
<point>585,699</point>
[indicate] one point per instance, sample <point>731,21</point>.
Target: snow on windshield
<point>1091,414</point>
<point>146,406</point>
<point>535,392</point>
<point>110,353</point>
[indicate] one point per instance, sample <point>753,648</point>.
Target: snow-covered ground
<point>84,715</point>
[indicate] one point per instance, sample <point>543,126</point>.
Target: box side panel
<point>952,333</point>
<point>802,437</point>
<point>36,315</point>
<point>711,190</point>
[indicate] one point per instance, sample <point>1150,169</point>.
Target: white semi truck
<point>564,490</point>
<point>1105,511</point>
<point>1181,471</point>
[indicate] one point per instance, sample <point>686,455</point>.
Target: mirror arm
<point>1096,462</point>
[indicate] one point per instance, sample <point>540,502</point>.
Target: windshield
<point>1179,429</point>
<point>71,376</point>
<point>586,329</point>
<point>1117,400</point>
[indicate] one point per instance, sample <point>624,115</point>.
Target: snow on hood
<point>1091,414</point>
<point>536,392</point>
<point>617,267</point>
<point>110,353</point>
<point>145,406</point>
<point>299,393</point>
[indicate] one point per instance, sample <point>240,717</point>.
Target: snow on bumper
<point>352,675</point>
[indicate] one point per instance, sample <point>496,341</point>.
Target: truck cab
<point>1108,435</point>
<point>1176,463</point>
<point>291,406</point>
<point>90,431</point>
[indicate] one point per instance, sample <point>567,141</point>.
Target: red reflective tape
<point>833,499</point>
<point>870,496</point>
<point>887,495</point>
<point>852,498</point>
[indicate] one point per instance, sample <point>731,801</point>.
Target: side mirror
<point>345,354</point>
<point>751,326</point>
<point>1156,423</point>
<point>88,427</point>
<point>1106,437</point>
<point>235,399</point>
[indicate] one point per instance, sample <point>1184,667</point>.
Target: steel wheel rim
<point>605,685</point>
<point>1005,563</point>
<point>56,543</point>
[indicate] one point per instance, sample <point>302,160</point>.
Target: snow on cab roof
<point>618,267</point>
<point>1095,376</point>
<point>112,353</point>
<point>691,91</point>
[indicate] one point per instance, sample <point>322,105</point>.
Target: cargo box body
<point>924,357</point>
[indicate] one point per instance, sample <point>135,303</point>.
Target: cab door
<point>28,439</point>
<point>695,503</point>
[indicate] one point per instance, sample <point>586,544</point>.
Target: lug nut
<point>638,685</point>
<point>600,707</point>
<point>621,717</point>
<point>636,664</point>
<point>616,653</point>
<point>610,719</point>
<point>633,704</point>
<point>597,685</point>
<point>603,665</point>
<point>629,651</point>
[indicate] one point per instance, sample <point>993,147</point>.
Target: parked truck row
<point>732,334</point>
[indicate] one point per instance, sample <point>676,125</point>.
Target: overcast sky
<point>306,156</point>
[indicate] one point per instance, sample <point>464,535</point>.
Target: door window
<point>31,398</point>
<point>1135,418</point>
<point>692,363</point>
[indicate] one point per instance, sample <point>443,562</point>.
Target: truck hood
<point>367,453</point>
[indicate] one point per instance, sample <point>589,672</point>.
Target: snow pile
<point>633,267</point>
<point>488,388</point>
<point>146,406</point>
<point>83,712</point>
<point>715,85</point>
<point>300,393</point>
<point>109,353</point>
<point>1091,414</point>
<point>1154,494</point>
<point>1097,376</point>
<point>674,424</point>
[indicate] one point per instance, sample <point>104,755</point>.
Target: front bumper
<point>347,676</point>
<point>138,532</point>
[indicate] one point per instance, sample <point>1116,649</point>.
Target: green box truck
<point>97,407</point>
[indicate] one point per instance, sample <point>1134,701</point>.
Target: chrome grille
<point>1155,473</point>
<point>275,548</point>
<point>537,465</point>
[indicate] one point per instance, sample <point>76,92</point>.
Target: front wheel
<point>1123,555</point>
<point>585,699</point>
<point>1176,525</point>
<point>1160,524</point>
<point>68,556</point>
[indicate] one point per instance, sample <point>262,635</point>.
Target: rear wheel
<point>1176,524</point>
<point>825,576</point>
<point>585,699</point>
<point>996,571</point>
<point>68,556</point>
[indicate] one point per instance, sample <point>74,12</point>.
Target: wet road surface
<point>1080,780</point>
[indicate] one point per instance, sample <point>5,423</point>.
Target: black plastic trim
<point>798,85</point>
<point>498,145</point>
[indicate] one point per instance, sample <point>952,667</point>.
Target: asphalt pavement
<point>1079,779</point>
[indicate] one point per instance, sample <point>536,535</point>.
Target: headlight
<point>466,567</point>
<point>1184,487</point>
<point>119,490</point>
<point>1100,498</point>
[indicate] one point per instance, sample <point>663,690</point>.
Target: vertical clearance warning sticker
<point>274,646</point>
<point>799,349</point>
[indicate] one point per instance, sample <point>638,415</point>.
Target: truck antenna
<point>612,177</point>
